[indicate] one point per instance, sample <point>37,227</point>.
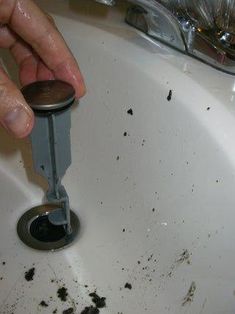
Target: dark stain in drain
<point>169,95</point>
<point>62,294</point>
<point>43,304</point>
<point>29,274</point>
<point>128,286</point>
<point>69,311</point>
<point>90,310</point>
<point>100,302</point>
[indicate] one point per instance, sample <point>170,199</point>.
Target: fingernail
<point>18,121</point>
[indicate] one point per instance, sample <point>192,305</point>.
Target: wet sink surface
<point>152,181</point>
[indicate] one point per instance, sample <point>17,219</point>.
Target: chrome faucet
<point>204,29</point>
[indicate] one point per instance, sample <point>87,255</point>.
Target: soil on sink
<point>29,274</point>
<point>62,294</point>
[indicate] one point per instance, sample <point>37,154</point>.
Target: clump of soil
<point>62,294</point>
<point>128,286</point>
<point>97,300</point>
<point>43,304</point>
<point>130,111</point>
<point>29,274</point>
<point>90,310</point>
<point>169,95</point>
<point>69,311</point>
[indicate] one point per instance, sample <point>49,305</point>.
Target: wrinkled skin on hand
<point>41,54</point>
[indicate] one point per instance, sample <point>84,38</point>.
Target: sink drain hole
<point>43,230</point>
<point>35,229</point>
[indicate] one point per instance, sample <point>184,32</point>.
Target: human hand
<point>41,54</point>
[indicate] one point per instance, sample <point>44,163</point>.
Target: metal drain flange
<point>35,229</point>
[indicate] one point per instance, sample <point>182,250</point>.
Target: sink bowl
<point>152,180</point>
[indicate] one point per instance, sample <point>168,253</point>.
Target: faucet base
<point>211,46</point>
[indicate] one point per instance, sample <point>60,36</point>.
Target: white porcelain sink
<point>157,206</point>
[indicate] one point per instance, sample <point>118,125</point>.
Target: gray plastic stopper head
<point>48,95</point>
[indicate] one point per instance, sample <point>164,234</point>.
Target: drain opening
<point>43,230</point>
<point>35,229</point>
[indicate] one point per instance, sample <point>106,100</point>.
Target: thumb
<point>15,115</point>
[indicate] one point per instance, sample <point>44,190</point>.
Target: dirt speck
<point>190,294</point>
<point>169,95</point>
<point>29,274</point>
<point>125,134</point>
<point>55,311</point>
<point>184,257</point>
<point>3,263</point>
<point>150,257</point>
<point>90,310</point>
<point>128,286</point>
<point>69,311</point>
<point>43,304</point>
<point>208,108</point>
<point>100,302</point>
<point>117,158</point>
<point>62,294</point>
<point>130,111</point>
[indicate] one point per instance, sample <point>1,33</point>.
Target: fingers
<point>32,25</point>
<point>15,115</point>
<point>31,67</point>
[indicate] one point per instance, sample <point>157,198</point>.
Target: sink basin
<point>152,180</point>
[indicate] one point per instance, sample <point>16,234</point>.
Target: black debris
<point>130,111</point>
<point>99,301</point>
<point>43,304</point>
<point>90,310</point>
<point>69,311</point>
<point>62,294</point>
<point>169,95</point>
<point>128,286</point>
<point>29,274</point>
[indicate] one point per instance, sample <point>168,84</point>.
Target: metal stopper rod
<point>50,140</point>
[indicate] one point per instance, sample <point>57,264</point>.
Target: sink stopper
<point>53,225</point>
